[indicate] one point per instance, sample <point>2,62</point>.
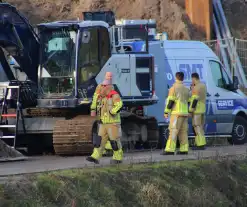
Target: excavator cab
<point>74,57</point>
<point>68,59</point>
<point>105,16</point>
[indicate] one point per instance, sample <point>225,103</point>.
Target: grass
<point>185,183</point>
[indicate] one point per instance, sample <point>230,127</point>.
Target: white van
<point>226,104</point>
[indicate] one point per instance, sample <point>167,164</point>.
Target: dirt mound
<point>235,11</point>
<point>8,153</point>
<point>169,14</point>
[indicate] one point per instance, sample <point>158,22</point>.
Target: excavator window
<point>58,61</point>
<point>88,57</point>
<point>3,76</point>
<point>94,52</point>
<point>105,50</point>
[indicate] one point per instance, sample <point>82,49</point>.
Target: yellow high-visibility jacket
<point>96,97</point>
<point>199,93</point>
<point>110,108</point>
<point>179,94</point>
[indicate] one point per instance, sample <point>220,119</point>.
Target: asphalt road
<point>49,163</point>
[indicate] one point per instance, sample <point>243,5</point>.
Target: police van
<point>226,106</point>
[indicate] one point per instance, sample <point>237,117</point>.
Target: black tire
<point>163,136</point>
<point>239,131</point>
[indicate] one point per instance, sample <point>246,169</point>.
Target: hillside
<point>170,14</point>
<point>236,15</point>
<point>187,183</point>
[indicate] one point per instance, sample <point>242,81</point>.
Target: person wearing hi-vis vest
<point>197,108</point>
<point>96,104</point>
<point>177,107</point>
<point>110,123</point>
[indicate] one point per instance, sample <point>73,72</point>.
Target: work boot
<point>182,153</point>
<point>91,159</point>
<point>116,162</point>
<point>199,148</point>
<point>167,153</point>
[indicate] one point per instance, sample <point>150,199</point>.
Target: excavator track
<point>73,136</point>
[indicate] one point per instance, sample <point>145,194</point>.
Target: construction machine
<point>56,69</point>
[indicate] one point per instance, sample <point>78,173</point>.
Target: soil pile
<point>235,11</point>
<point>169,14</point>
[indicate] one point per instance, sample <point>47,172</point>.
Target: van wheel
<point>239,131</point>
<point>164,134</point>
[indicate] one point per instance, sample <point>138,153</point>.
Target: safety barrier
<point>241,47</point>
<point>219,47</point>
<point>222,31</point>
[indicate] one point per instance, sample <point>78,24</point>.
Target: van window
<point>226,77</point>
<point>220,77</point>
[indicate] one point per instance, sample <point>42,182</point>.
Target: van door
<point>189,66</point>
<point>222,96</point>
<point>161,85</point>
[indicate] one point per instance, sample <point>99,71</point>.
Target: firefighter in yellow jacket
<point>177,107</point>
<point>110,124</point>
<point>96,104</point>
<point>198,108</point>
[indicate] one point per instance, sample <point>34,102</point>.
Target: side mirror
<point>235,83</point>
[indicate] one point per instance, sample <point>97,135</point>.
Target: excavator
<point>49,74</point>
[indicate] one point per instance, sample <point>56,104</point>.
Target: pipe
<point>224,36</point>
<point>239,68</point>
<point>221,49</point>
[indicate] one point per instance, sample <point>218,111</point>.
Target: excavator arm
<point>19,39</point>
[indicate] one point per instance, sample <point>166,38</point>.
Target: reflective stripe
<point>180,95</point>
<point>96,153</point>
<point>117,106</point>
<point>108,145</point>
<point>95,98</point>
<point>170,98</point>
<point>200,140</point>
<point>170,146</point>
<point>198,93</point>
<point>184,147</point>
<point>112,115</point>
<point>118,155</point>
<point>180,108</point>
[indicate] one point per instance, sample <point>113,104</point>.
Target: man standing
<point>110,123</point>
<point>95,107</point>
<point>177,106</point>
<point>198,108</point>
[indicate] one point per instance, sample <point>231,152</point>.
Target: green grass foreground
<point>185,183</point>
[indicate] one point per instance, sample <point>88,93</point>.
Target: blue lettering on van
<point>169,73</point>
<point>225,104</point>
<point>188,69</point>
